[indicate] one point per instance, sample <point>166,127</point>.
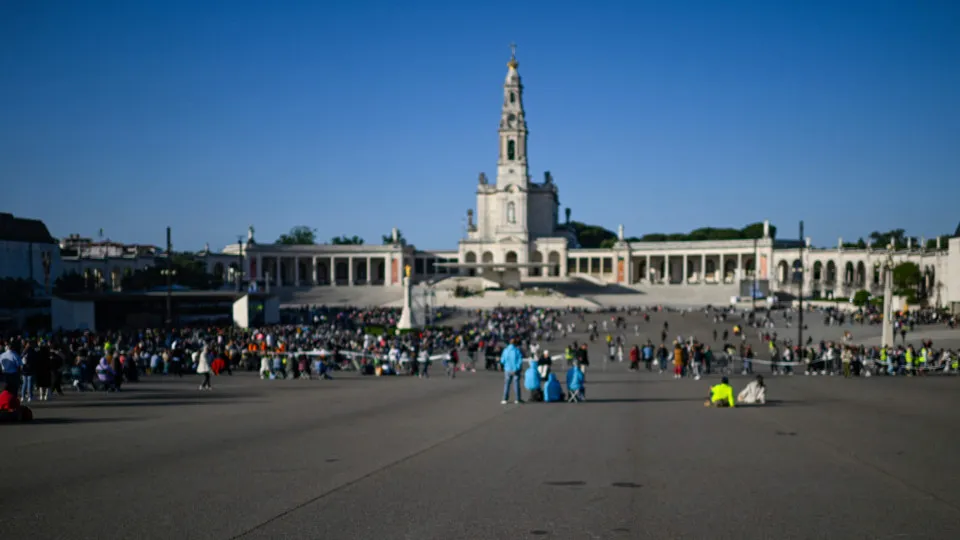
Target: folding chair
<point>575,396</point>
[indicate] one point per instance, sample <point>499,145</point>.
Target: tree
<point>906,279</point>
<point>861,298</point>
<point>189,272</point>
<point>388,239</point>
<point>343,240</point>
<point>591,236</point>
<point>71,282</point>
<point>300,235</point>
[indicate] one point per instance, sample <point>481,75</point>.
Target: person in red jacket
<point>635,358</point>
<point>11,410</point>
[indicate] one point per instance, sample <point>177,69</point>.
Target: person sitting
<point>531,382</point>
<point>552,391</point>
<point>754,393</point>
<point>721,395</point>
<point>576,381</point>
<point>11,411</point>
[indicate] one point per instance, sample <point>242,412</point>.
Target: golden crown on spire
<point>513,64</point>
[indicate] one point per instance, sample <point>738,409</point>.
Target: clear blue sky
<point>353,117</point>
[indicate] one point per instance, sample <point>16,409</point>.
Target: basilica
<point>515,236</point>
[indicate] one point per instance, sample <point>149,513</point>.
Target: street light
<point>169,272</point>
<point>800,290</point>
<point>753,293</point>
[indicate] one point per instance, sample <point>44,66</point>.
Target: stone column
<point>279,273</point>
<point>369,272</point>
<point>647,269</point>
<point>296,271</point>
<point>703,268</point>
<point>350,271</point>
<point>316,270</point>
<point>684,269</point>
<point>333,271</point>
<point>259,275</point>
<point>740,274</point>
<point>721,270</point>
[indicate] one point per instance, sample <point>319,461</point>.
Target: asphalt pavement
<point>400,457</point>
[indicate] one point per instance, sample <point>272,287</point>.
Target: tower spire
<point>513,64</point>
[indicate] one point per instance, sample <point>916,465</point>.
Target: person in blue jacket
<point>531,381</point>
<point>552,391</point>
<point>512,362</point>
<point>575,381</point>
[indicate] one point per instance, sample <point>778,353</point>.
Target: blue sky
<point>353,117</point>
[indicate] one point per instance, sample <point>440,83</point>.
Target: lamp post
<point>240,257</point>
<point>800,291</point>
<point>753,292</point>
<point>169,272</point>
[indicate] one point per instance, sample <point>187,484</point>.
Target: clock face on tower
<point>511,120</point>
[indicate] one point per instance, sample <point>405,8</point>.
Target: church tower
<point>512,173</point>
<point>512,165</point>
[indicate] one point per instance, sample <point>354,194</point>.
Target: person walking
<point>512,362</point>
<point>10,366</point>
<point>203,368</point>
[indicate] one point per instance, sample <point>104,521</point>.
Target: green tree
<point>188,271</point>
<point>71,282</point>
<point>344,240</point>
<point>906,279</point>
<point>299,235</point>
<point>388,238</point>
<point>591,236</point>
<point>861,298</point>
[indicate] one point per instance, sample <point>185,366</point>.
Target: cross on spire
<point>513,50</point>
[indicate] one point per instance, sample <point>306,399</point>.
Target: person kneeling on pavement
<point>11,411</point>
<point>721,395</point>
<point>754,393</point>
<point>531,382</point>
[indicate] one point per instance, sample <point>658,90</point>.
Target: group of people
<point>539,380</point>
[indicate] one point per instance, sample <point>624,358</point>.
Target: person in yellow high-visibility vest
<point>922,361</point>
<point>908,358</point>
<point>884,359</point>
<point>721,395</point>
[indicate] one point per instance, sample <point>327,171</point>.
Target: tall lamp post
<point>240,257</point>
<point>887,267</point>
<point>800,292</point>
<point>169,272</point>
<point>753,292</point>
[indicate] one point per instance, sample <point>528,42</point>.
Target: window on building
<point>513,97</point>
<point>511,150</point>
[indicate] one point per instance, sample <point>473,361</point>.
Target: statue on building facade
<point>482,180</point>
<point>250,235</point>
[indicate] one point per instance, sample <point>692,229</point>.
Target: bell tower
<point>512,165</point>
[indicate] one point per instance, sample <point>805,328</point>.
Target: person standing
<point>203,368</point>
<point>10,366</point>
<point>27,371</point>
<point>43,377</point>
<point>512,362</point>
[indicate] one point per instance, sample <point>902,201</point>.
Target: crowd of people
<point>317,341</point>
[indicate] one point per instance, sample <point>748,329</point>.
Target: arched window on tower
<point>511,212</point>
<point>513,97</point>
<point>511,150</point>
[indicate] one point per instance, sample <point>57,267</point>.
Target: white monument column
<point>350,271</point>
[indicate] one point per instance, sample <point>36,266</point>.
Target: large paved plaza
<point>398,457</point>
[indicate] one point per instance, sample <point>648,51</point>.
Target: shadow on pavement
<point>641,400</point>
<point>56,421</point>
<point>162,403</point>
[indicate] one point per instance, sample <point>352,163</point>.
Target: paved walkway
<point>364,457</point>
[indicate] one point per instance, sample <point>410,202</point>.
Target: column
<point>739,275</point>
<point>684,273</point>
<point>666,275</point>
<point>350,271</point>
<point>703,269</point>
<point>316,270</point>
<point>333,271</point>
<point>369,272</point>
<point>296,271</point>
<point>721,270</point>
<point>259,275</point>
<point>278,280</point>
<point>646,278</point>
